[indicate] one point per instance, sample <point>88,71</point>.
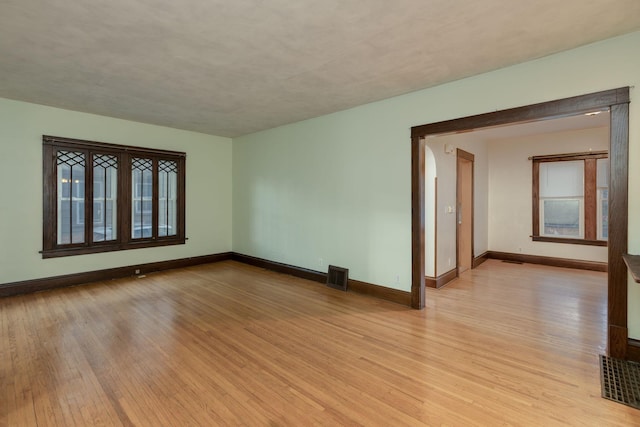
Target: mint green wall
<point>336,189</point>
<point>22,125</point>
<point>333,190</point>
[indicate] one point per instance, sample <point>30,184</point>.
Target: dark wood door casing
<point>617,102</point>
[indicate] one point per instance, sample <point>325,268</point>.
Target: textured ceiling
<point>230,68</point>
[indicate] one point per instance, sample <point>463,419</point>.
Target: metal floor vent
<point>338,277</point>
<point>620,381</point>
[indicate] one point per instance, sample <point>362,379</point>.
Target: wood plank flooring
<point>229,344</point>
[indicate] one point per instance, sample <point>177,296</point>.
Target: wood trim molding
<point>633,350</point>
<point>382,292</point>
<point>569,241</point>
<point>431,282</point>
<point>633,265</point>
<point>303,273</point>
<point>36,285</point>
<point>465,155</point>
<point>440,281</point>
<point>617,102</point>
<point>618,225</point>
<point>417,223</point>
<point>435,228</point>
<point>565,107</point>
<point>550,261</point>
<point>480,259</point>
<point>535,205</point>
<point>572,156</point>
<point>618,341</point>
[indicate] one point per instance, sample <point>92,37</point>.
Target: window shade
<point>562,179</point>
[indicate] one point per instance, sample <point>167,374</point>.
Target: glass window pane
<point>603,214</point>
<point>602,168</point>
<point>64,206</point>
<point>142,200</point>
<point>602,183</point>
<point>105,190</point>
<point>77,212</point>
<point>167,198</point>
<point>70,199</point>
<point>561,217</point>
<point>562,179</point>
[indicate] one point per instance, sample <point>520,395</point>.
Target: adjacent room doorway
<point>464,210</point>
<point>617,102</point>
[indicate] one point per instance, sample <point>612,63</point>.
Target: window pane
<point>562,179</point>
<point>70,199</point>
<point>167,198</point>
<point>105,190</point>
<point>602,168</point>
<point>142,198</point>
<point>603,214</point>
<point>602,183</point>
<point>561,218</point>
<point>64,204</point>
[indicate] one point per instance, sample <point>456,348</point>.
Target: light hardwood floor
<point>230,344</point>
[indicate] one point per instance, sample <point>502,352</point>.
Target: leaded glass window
<point>94,190</point>
<point>70,199</point>
<point>105,197</point>
<point>142,191</point>
<point>167,197</point>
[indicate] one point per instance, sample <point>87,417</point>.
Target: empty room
<point>250,213</point>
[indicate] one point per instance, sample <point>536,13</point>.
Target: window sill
<point>569,241</point>
<point>633,264</point>
<point>84,250</point>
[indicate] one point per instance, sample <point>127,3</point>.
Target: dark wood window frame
<point>617,102</point>
<point>590,197</point>
<point>51,145</point>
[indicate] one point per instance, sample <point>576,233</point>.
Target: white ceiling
<point>230,68</point>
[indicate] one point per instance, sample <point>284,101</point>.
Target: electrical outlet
<point>397,278</point>
<point>137,271</point>
<point>321,262</point>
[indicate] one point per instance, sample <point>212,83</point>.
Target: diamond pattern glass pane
<point>167,198</point>
<point>105,192</point>
<point>142,198</point>
<point>70,197</point>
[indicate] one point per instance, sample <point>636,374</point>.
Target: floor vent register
<point>620,381</point>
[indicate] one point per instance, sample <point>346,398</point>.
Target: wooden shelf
<point>633,264</point>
